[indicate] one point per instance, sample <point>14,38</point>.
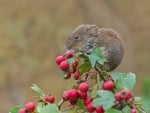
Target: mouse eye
<point>76,37</point>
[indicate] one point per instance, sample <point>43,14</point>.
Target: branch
<point>99,71</point>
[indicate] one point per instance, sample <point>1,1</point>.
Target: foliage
<point>106,99</point>
<point>84,97</point>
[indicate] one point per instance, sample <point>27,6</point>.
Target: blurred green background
<point>33,33</point>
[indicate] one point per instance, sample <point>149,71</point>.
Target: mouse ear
<point>92,30</point>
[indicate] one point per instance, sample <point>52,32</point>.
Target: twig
<point>60,103</point>
<point>119,106</point>
<point>143,109</point>
<point>99,71</point>
<point>67,109</point>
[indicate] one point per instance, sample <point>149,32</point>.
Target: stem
<point>99,71</point>
<point>60,103</point>
<point>143,109</point>
<point>67,109</point>
<point>119,106</point>
<point>86,77</point>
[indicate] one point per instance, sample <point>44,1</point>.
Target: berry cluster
<point>81,92</point>
<point>124,95</point>
<point>93,96</point>
<point>68,67</point>
<point>73,95</point>
<point>29,108</point>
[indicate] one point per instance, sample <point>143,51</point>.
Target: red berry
<point>49,98</point>
<point>30,106</point>
<point>118,97</point>
<point>83,95</point>
<point>69,54</point>
<point>73,94</point>
<point>83,87</point>
<point>87,101</point>
<point>90,108</point>
<point>59,59</point>
<point>74,65</point>
<point>22,110</point>
<point>76,75</point>
<point>73,101</point>
<point>68,75</point>
<point>64,65</point>
<point>126,94</point>
<point>133,111</point>
<point>108,85</point>
<point>100,109</point>
<point>66,95</point>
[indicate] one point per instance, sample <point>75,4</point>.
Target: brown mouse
<point>87,37</point>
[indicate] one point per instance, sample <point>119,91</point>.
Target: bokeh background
<point>33,33</point>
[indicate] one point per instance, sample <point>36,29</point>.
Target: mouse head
<point>79,37</point>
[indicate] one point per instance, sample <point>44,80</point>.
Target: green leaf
<point>137,99</point>
<point>70,60</point>
<point>117,75</point>
<point>128,81</point>
<point>93,94</point>
<point>15,109</point>
<point>106,100</point>
<point>124,80</point>
<point>126,109</point>
<point>35,88</point>
<point>146,103</point>
<point>77,54</point>
<point>85,67</point>
<point>63,74</point>
<point>111,110</point>
<point>40,107</point>
<point>50,108</point>
<point>97,55</point>
<point>80,104</point>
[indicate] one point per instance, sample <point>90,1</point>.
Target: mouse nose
<point>68,47</point>
<point>70,50</point>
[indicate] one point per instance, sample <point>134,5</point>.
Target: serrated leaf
<point>117,75</point>
<point>50,108</point>
<point>124,80</point>
<point>111,110</point>
<point>128,81</point>
<point>85,67</point>
<point>35,88</point>
<point>106,100</point>
<point>97,55</point>
<point>15,109</point>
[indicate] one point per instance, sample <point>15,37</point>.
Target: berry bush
<point>94,90</point>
